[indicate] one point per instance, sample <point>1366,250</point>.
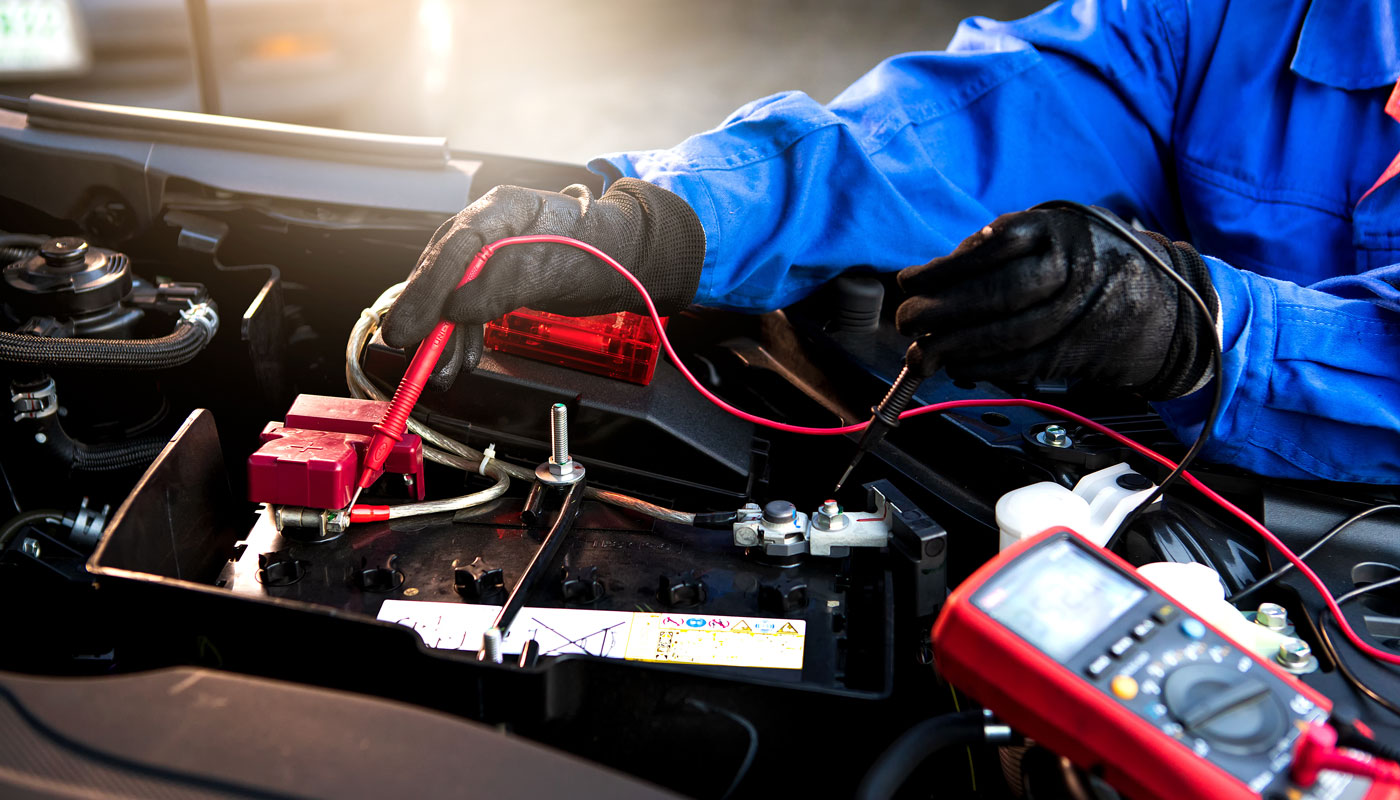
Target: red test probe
<point>391,428</point>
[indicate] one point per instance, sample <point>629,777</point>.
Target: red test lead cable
<point>1241,514</point>
<point>1317,750</point>
<point>391,427</point>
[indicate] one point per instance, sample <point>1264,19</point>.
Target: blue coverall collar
<point>1350,44</point>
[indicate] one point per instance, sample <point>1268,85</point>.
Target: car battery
<point>622,588</point>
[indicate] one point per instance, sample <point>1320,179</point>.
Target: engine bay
<point>571,546</point>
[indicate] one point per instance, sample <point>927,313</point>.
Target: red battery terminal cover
<point>314,458</point>
<point>623,345</point>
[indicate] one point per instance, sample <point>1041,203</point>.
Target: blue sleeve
<point>1311,385</point>
<point>1074,102</point>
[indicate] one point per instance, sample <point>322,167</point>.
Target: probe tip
<point>354,498</point>
<point>842,481</point>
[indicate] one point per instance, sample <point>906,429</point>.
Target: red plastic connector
<point>624,346</point>
<point>314,459</point>
<point>1317,751</point>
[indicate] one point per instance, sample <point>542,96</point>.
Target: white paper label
<point>677,638</point>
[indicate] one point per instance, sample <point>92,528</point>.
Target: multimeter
<point>1069,645</point>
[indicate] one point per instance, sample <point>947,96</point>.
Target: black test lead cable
<point>1216,356</point>
<point>1324,539</point>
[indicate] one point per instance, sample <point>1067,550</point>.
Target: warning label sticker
<point>723,641</point>
<point>673,638</point>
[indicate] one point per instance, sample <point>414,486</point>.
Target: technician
<point>1264,133</point>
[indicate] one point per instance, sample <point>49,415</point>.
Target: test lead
<point>395,421</point>
<point>885,415</point>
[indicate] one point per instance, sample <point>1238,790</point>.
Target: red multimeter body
<point>1070,646</point>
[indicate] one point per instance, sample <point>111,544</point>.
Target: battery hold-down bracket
<point>313,458</point>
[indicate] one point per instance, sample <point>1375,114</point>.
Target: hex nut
<point>1055,436</point>
<point>746,535</point>
<point>1272,616</point>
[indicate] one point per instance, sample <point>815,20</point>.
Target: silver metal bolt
<point>1294,653</point>
<point>560,469</point>
<point>559,433</point>
<point>1272,616</point>
<point>746,535</point>
<point>337,520</point>
<point>829,516</point>
<point>1056,436</point>
<point>491,646</point>
<point>30,547</point>
<point>560,465</point>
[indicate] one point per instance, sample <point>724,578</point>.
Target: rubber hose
<point>17,246</point>
<point>12,253</point>
<point>177,348</point>
<point>914,746</point>
<point>118,455</point>
<point>106,457</point>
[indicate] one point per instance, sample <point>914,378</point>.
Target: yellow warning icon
<point>787,629</point>
<point>742,627</point>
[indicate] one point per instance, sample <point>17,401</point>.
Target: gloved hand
<point>1052,293</point>
<point>652,232</point>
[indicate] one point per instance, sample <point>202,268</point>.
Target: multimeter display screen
<point>1058,598</point>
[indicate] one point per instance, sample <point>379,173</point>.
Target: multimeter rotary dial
<point>1235,712</point>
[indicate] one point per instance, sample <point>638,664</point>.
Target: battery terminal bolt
<point>830,517</point>
<point>780,512</point>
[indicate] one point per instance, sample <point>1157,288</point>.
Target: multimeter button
<point>1236,713</point>
<point>1121,646</point>
<point>1144,629</point>
<point>1193,628</point>
<point>1098,665</point>
<point>1124,686</point>
<point>1164,614</point>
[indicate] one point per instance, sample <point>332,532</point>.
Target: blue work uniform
<point>1253,129</point>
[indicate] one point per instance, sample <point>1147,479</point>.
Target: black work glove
<point>1052,293</point>
<point>651,231</point>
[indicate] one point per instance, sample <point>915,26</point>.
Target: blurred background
<point>554,79</point>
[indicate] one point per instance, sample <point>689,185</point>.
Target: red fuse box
<point>622,345</point>
<point>314,458</point>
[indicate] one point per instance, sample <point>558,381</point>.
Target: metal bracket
<point>893,520</point>
<point>202,314</point>
<point>829,532</point>
<point>295,521</point>
<point>42,402</point>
